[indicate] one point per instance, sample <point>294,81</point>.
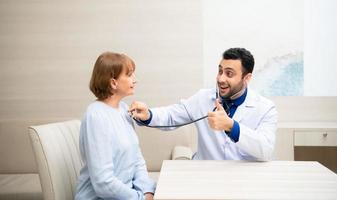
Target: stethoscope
<point>184,124</point>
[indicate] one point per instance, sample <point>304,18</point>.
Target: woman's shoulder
<point>95,106</point>
<point>123,106</point>
<point>98,108</point>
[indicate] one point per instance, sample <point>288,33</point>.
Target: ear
<point>247,78</point>
<point>113,83</point>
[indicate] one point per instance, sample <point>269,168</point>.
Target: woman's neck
<point>112,101</point>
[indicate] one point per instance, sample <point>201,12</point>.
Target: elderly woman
<point>114,167</point>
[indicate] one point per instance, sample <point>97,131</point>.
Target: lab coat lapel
<point>248,104</point>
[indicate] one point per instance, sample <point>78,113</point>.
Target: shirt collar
<point>238,101</point>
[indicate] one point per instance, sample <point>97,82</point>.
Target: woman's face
<point>125,83</point>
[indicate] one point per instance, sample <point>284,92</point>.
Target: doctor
<point>243,124</point>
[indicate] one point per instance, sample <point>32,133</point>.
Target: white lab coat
<point>257,118</point>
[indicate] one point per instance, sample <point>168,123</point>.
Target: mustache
<point>223,84</point>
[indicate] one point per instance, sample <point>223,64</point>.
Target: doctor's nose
<point>221,78</point>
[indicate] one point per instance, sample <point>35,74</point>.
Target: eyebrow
<point>227,68</point>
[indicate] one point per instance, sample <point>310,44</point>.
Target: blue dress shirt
<point>231,106</point>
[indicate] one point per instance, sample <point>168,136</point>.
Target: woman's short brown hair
<point>108,66</point>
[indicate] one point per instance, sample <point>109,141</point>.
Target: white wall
<point>266,28</point>
<point>320,48</point>
<point>48,49</point>
<point>272,29</point>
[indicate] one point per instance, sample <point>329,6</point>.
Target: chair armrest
<point>182,153</point>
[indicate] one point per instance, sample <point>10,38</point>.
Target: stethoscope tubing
<point>183,124</point>
<point>172,126</point>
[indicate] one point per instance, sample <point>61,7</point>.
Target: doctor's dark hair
<point>108,66</point>
<point>246,58</point>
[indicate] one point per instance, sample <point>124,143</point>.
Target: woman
<point>114,167</point>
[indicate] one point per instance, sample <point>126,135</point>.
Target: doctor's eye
<point>229,74</point>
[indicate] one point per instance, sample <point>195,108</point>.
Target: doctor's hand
<point>219,120</point>
<point>139,110</point>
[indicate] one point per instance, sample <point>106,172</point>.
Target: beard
<point>234,92</point>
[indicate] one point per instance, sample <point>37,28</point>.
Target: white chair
<point>58,157</point>
<point>56,149</point>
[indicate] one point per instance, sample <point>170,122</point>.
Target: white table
<point>189,180</point>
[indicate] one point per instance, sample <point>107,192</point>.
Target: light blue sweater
<point>114,167</point>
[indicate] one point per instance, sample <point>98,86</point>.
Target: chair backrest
<point>56,149</point>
